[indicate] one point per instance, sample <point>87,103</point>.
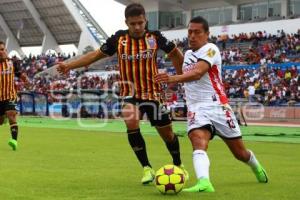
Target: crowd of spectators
<point>269,86</point>
<point>255,48</point>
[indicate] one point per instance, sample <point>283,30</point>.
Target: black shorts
<point>157,113</point>
<point>7,106</point>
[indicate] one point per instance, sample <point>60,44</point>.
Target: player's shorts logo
<point>191,117</point>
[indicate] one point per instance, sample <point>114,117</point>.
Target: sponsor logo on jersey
<point>211,53</point>
<point>142,55</point>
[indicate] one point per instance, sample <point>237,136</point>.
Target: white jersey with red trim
<point>209,88</point>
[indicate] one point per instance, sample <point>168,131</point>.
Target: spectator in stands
<point>251,90</point>
<point>84,113</point>
<point>287,75</point>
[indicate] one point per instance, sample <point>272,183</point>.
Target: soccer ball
<point>169,179</point>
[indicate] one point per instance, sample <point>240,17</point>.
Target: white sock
<point>253,162</point>
<point>201,164</point>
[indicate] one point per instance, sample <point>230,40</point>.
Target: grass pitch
<point>71,162</point>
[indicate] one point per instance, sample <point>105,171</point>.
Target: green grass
<point>84,163</point>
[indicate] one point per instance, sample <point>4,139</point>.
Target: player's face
<point>197,36</point>
<point>136,25</point>
<point>3,53</point>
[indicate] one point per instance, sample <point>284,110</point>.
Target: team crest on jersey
<point>211,53</point>
<point>151,43</point>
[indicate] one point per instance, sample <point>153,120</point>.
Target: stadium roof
<point>21,23</point>
<point>48,22</point>
<point>189,4</point>
<point>59,20</point>
<point>2,35</point>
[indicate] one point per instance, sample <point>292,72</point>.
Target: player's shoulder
<point>120,33</point>
<point>157,33</point>
<point>210,49</point>
<point>209,45</point>
<point>188,52</point>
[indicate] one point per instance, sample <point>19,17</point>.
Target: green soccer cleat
<point>186,173</point>
<point>149,175</point>
<point>13,143</point>
<point>260,174</point>
<point>203,185</point>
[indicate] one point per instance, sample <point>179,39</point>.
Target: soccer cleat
<point>13,143</point>
<point>203,185</point>
<point>149,175</point>
<point>260,174</point>
<point>186,173</point>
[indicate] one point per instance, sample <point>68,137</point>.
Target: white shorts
<point>221,118</point>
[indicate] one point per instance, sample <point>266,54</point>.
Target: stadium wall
<point>273,114</point>
<point>289,26</point>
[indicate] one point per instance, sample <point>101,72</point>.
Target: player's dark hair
<point>200,20</point>
<point>134,9</point>
<point>1,42</point>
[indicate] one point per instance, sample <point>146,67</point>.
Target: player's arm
<point>176,57</point>
<point>200,69</point>
<point>85,60</point>
<point>107,49</point>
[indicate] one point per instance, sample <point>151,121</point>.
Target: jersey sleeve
<point>17,68</point>
<point>163,43</point>
<point>209,55</point>
<point>111,44</point>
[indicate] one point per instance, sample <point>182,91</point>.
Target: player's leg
<point>240,152</point>
<point>172,144</point>
<point>2,113</point>
<point>159,117</point>
<point>243,117</point>
<point>199,138</point>
<point>9,108</point>
<point>2,117</point>
<point>131,116</point>
<point>12,118</point>
<point>227,126</point>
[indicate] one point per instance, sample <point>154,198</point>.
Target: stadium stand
<point>259,66</point>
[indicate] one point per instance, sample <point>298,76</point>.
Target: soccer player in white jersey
<point>208,109</point>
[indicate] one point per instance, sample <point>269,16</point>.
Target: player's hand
<point>62,68</point>
<point>162,78</point>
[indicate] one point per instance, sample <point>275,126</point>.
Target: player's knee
<point>132,125</point>
<point>198,142</point>
<point>168,137</point>
<point>242,156</point>
<point>166,132</point>
<point>12,117</point>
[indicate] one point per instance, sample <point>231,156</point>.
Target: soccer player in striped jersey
<point>208,109</point>
<point>8,94</point>
<point>137,49</point>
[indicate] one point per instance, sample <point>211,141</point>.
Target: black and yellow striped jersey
<point>137,58</point>
<point>7,80</point>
